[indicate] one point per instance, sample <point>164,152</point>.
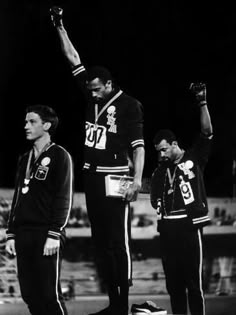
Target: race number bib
<point>186,192</point>
<point>95,136</point>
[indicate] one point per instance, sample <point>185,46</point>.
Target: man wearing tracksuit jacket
<point>114,126</point>
<point>40,210</point>
<point>178,194</point>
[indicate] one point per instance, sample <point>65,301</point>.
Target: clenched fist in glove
<point>56,16</point>
<point>199,90</point>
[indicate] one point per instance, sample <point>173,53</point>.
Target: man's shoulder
<point>200,149</point>
<point>23,156</point>
<point>129,105</point>
<point>129,99</point>
<point>201,141</point>
<point>59,149</point>
<point>160,169</point>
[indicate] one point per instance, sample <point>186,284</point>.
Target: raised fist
<point>56,16</point>
<point>199,90</point>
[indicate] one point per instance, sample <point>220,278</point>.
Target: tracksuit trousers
<point>181,251</point>
<point>38,275</point>
<point>110,225</point>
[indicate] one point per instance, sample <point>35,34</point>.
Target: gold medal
<point>170,191</point>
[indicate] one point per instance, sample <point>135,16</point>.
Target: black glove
<point>199,90</point>
<point>56,16</point>
<point>156,204</point>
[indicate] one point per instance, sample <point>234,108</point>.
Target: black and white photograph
<point>118,157</point>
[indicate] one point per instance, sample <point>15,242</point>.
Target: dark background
<point>154,49</point>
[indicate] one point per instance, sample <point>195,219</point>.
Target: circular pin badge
<point>111,109</point>
<point>188,164</point>
<point>45,161</point>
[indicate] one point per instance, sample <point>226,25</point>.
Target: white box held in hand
<point>116,185</point>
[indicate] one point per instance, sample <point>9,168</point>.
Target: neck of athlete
<point>40,143</point>
<point>179,155</point>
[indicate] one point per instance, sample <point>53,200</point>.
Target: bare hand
<point>10,247</point>
<point>131,193</point>
<point>51,246</point>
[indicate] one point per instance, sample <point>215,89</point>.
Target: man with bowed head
<point>114,124</point>
<point>39,213</point>
<point>178,193</point>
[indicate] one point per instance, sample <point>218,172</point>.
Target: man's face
<point>166,151</point>
<point>99,91</point>
<point>34,126</point>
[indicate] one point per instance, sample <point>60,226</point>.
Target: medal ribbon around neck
<point>98,114</point>
<point>29,166</point>
<point>171,179</point>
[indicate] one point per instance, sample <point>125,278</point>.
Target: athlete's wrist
<point>137,183</point>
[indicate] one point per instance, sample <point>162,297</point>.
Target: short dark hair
<point>47,114</point>
<point>99,72</point>
<point>164,134</point>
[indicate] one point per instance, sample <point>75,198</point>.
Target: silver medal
<point>25,189</point>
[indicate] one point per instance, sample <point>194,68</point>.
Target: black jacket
<point>189,196</point>
<point>48,199</point>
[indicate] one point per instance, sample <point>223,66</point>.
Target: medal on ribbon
<point>25,188</point>
<point>171,181</point>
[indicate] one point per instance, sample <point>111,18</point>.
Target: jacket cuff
<point>78,69</point>
<point>201,221</point>
<point>137,143</point>
<point>54,235</point>
<point>10,236</point>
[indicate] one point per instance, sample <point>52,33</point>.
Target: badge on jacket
<point>41,172</point>
<point>186,191</point>
<point>186,168</point>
